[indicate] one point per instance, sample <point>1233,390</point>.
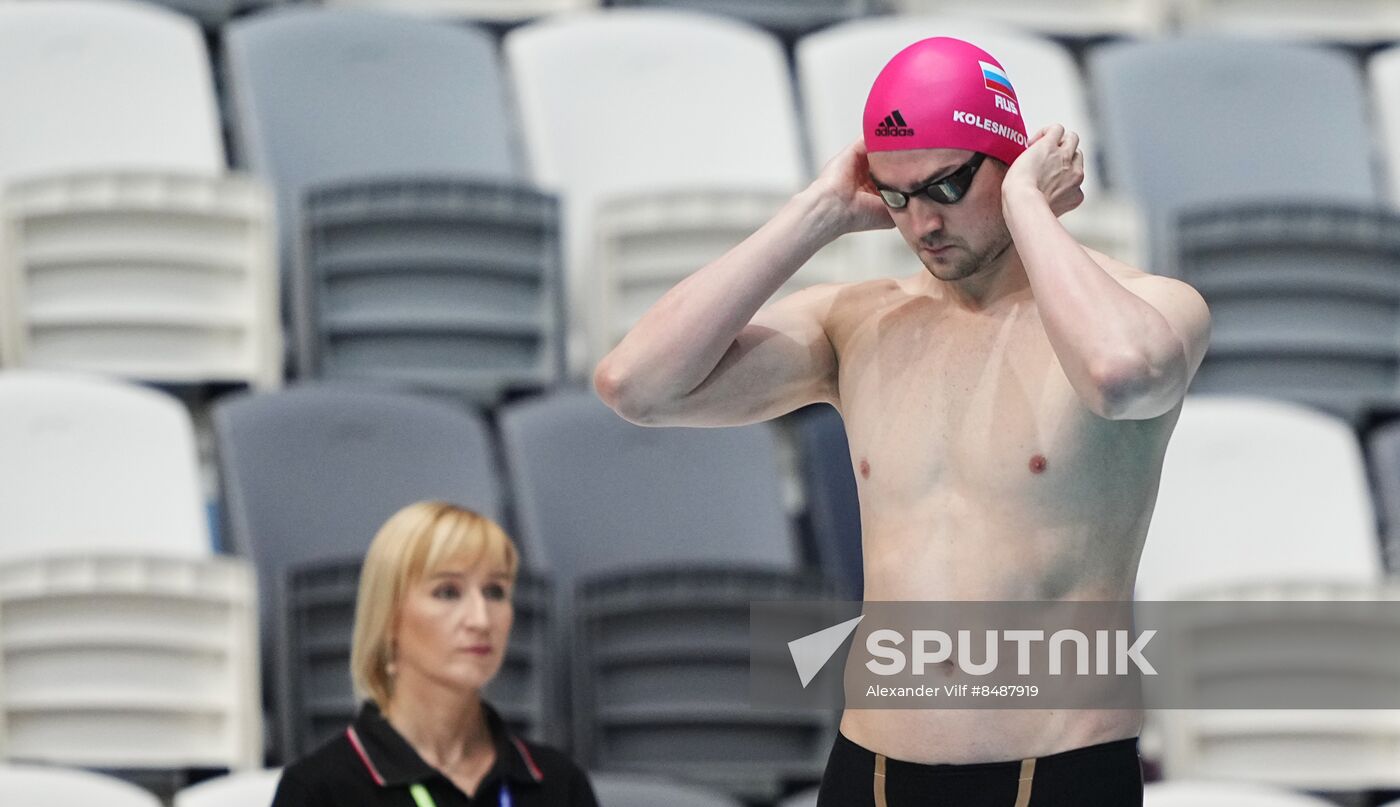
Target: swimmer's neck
<point>1002,278</point>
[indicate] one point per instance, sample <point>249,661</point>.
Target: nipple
<point>1037,464</point>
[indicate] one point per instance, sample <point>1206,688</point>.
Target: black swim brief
<point>1104,775</point>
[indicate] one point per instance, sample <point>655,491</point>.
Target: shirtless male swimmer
<point>1007,410</point>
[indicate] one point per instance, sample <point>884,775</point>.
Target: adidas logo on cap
<point>894,126</point>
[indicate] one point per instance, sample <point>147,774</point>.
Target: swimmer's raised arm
<point>1129,348</point>
<point>705,355</point>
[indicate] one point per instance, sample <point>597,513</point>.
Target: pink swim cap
<point>944,93</point>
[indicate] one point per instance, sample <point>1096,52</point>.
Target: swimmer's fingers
<point>860,163</point>
<point>1042,132</point>
<point>1071,143</point>
<point>845,182</point>
<point>1070,191</point>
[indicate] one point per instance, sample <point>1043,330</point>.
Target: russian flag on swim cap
<point>997,80</point>
<point>944,93</point>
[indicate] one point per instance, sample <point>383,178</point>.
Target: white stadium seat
<point>655,109</point>
<point>43,786</point>
<point>96,465</point>
<point>122,660</point>
<point>1224,794</point>
<point>244,789</point>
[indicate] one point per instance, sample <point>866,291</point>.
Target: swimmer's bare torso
<point>1007,410</point>
<point>983,477</point>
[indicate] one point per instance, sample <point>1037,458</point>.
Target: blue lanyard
<point>422,798</point>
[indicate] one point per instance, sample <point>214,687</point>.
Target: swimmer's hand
<point>1053,165</point>
<point>848,194</point>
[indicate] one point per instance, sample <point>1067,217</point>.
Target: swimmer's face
<point>953,241</point>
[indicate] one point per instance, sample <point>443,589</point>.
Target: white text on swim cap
<point>990,125</point>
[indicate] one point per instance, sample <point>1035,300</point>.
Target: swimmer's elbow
<point>619,391</point>
<point>615,390</point>
<point>1133,388</point>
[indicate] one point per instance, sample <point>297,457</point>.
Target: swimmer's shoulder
<point>1183,306</point>
<point>1153,288</point>
<point>845,306</point>
<point>835,300</point>
<point>1142,283</point>
<point>1120,271</point>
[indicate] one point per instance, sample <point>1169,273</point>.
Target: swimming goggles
<point>946,191</point>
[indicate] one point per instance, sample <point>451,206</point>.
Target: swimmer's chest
<point>976,406</point>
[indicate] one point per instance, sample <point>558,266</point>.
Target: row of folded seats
<point>416,202</point>
<point>1360,22</point>
<point>48,787</point>
<point>642,550</point>
<point>631,634</point>
<point>426,208</point>
<point>45,786</point>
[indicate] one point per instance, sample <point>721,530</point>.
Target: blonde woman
<point>431,624</point>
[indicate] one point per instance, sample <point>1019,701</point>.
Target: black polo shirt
<point>370,763</point>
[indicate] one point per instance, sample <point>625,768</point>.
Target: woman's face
<point>452,627</point>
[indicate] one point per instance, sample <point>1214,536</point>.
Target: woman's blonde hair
<point>414,542</point>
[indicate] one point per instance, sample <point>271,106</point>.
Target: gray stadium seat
<point>594,493</point>
<point>314,660</point>
<point>362,117</point>
<point>784,17</point>
<point>666,536</point>
<point>661,675</point>
<point>323,95</point>
<point>312,472</point>
<point>1206,121</point>
<point>618,790</point>
<point>1304,298</point>
<point>1253,160</point>
<point>833,503</point>
<point>447,285</point>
